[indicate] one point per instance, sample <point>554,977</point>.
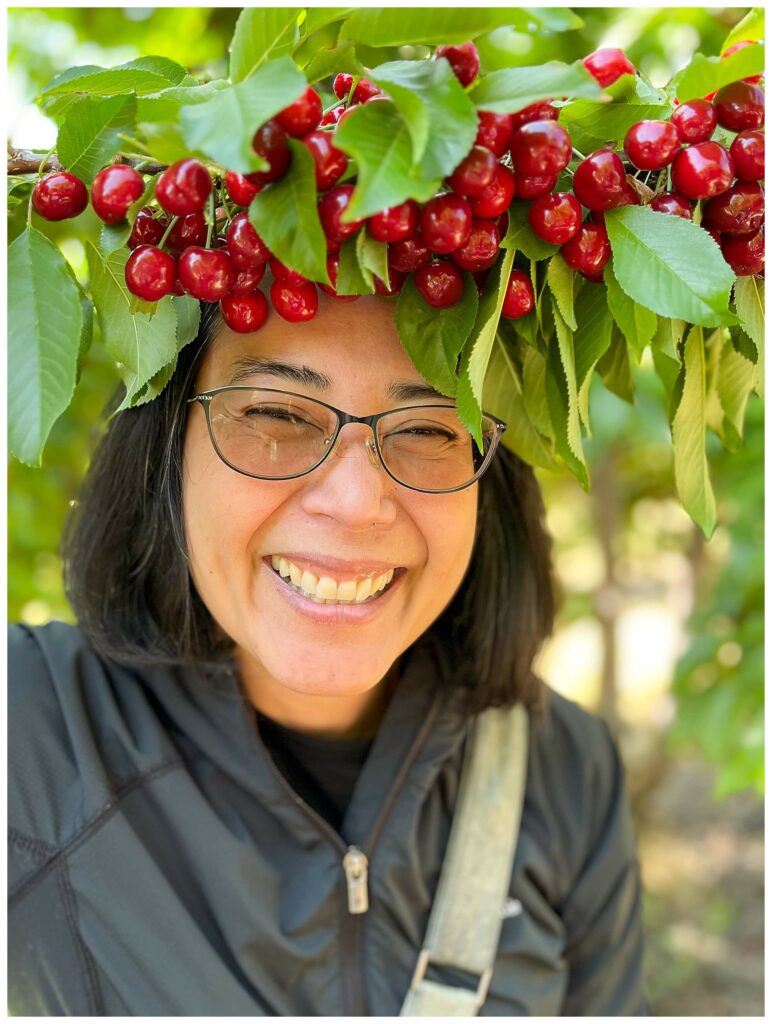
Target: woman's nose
<point>369,442</point>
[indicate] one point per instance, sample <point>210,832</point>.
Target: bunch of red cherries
<point>176,251</point>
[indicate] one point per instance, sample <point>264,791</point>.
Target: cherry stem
<point>41,169</point>
<point>212,217</point>
<point>661,177</point>
<point>136,143</point>
<point>576,152</point>
<point>169,227</point>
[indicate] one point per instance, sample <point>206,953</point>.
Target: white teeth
<point>326,589</point>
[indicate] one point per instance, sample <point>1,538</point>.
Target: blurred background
<point>660,632</point>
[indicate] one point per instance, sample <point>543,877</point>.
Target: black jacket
<point>160,864</point>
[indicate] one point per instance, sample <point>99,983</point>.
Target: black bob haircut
<point>127,578</point>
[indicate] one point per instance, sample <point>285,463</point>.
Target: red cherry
<point>494,131</point>
<point>150,273</point>
<point>674,204</point>
<point>464,61</point>
<point>534,187</point>
<point>589,250</point>
<point>474,173</point>
<point>741,46</point>
<point>241,190</point>
<point>147,229</point>
<point>715,235</point>
<point>695,121</point>
<point>446,222</point>
<point>341,85</point>
<point>302,116</point>
<point>518,298</point>
<point>480,250</point>
<point>480,280</point>
<point>59,196</point>
<point>543,111</point>
<point>395,223</point>
<point>594,278</point>
<point>744,253</point>
<point>114,190</point>
<point>285,274</point>
<point>440,284</point>
<point>333,264</point>
<point>270,142</point>
<point>332,206</point>
<point>738,211</point>
<point>396,280</point>
<point>702,171</point>
<point>496,197</point>
<point>409,254</point>
<point>247,279</point>
<point>651,145</point>
<point>365,90</point>
<point>244,313</point>
<point>747,153</point>
<point>189,230</point>
<point>184,187</point>
<point>329,162</point>
<point>296,303</point>
<point>540,147</point>
<point>740,106</point>
<point>333,116</point>
<point>600,181</point>
<point>246,247</point>
<point>206,274</point>
<point>556,217</point>
<point>607,65</point>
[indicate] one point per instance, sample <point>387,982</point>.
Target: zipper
<point>355,865</point>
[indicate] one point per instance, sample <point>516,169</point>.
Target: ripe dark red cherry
<point>59,196</point>
<point>206,274</point>
<point>534,188</point>
<point>496,197</point>
<point>599,181</point>
<point>409,254</point>
<point>184,187</point>
<point>332,206</point>
<point>333,116</point>
<point>246,247</point>
<point>480,250</point>
<point>747,153</point>
<point>296,303</point>
<point>333,264</point>
<point>744,253</point>
<point>446,222</point>
<point>651,145</point>
<point>329,161</point>
<point>150,273</point>
<point>474,173</point>
<point>114,190</point>
<point>589,250</point>
<point>738,211</point>
<point>244,313</point>
<point>695,121</point>
<point>740,106</point>
<point>715,235</point>
<point>241,190</point>
<point>302,116</point>
<point>543,111</point>
<point>494,131</point>
<point>518,298</point>
<point>247,279</point>
<point>464,61</point>
<point>674,204</point>
<point>395,223</point>
<point>270,142</point>
<point>607,65</point>
<point>702,171</point>
<point>189,230</point>
<point>556,217</point>
<point>341,85</point>
<point>440,284</point>
<point>365,90</point>
<point>540,147</point>
<point>285,274</point>
<point>396,280</point>
<point>147,229</point>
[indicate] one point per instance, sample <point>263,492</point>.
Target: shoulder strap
<point>465,921</point>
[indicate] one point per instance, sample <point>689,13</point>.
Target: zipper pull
<point>355,866</point>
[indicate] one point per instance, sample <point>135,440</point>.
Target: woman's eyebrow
<point>246,366</point>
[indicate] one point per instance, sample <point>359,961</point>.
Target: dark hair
<point>126,564</point>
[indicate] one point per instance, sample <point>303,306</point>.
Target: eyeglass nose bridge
<point>370,446</point>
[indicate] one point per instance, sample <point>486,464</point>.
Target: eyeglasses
<point>279,435</point>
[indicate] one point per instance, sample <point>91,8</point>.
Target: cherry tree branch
<point>23,161</point>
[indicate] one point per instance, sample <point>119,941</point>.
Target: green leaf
<point>166,106</point>
<point>591,340</point>
<point>262,34</point>
<point>688,428</point>
<point>511,89</point>
<point>90,134</point>
<point>113,236</point>
<point>398,26</point>
<point>146,74</point>
<point>560,278</point>
<point>751,27</point>
<point>749,302</point>
<point>534,365</point>
<point>222,128</point>
<point>520,235</point>
<point>372,256</point>
<point>86,334</point>
<point>614,368</point>
<point>286,217</point>
<point>636,323</point>
<point>434,338</point>
<point>554,19</point>
<point>736,378</point>
<point>705,74</point>
<point>319,17</point>
<point>45,322</point>
<point>329,62</point>
<point>477,349</point>
<point>188,312</point>
<point>592,123</point>
<point>672,267</point>
<point>351,279</point>
<point>563,399</point>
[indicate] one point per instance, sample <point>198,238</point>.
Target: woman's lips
<point>336,614</point>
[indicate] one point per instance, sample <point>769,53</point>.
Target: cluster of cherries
<point>175,250</point>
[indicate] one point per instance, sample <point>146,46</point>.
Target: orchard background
<point>660,630</point>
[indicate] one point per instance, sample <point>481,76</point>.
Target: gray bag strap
<point>465,921</point>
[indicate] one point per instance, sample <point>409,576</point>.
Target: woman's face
<point>346,509</point>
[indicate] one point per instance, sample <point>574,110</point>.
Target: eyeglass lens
<point>272,435</point>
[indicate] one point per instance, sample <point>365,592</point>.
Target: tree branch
<point>23,161</point>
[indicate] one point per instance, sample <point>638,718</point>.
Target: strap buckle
<point>423,963</point>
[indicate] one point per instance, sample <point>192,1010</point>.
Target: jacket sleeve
<point>602,913</point>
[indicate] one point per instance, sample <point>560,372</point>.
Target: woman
<point>195,764</point>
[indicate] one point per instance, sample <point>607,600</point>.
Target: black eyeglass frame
<point>204,398</point>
